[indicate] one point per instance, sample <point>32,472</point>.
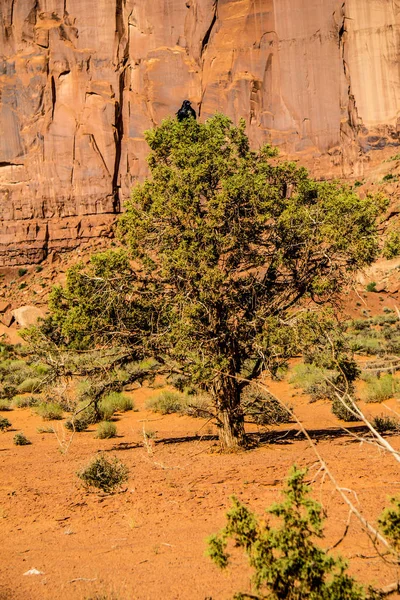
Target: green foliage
<point>227,242</point>
<point>106,430</point>
<point>106,474</point>
<point>49,411</point>
<point>4,424</point>
<point>20,439</point>
<point>380,389</point>
<point>95,302</point>
<point>22,272</point>
<point>371,287</point>
<point>287,563</point>
<point>389,523</point>
<point>391,248</point>
<point>385,423</point>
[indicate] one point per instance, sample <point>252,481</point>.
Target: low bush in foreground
<point>4,424</point>
<point>21,440</point>
<point>103,473</point>
<point>286,561</point>
<point>106,430</point>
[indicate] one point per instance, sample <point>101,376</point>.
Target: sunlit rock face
<point>81,80</point>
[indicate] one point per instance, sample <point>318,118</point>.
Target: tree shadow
<point>257,439</point>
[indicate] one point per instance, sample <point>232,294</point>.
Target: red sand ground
<point>149,542</point>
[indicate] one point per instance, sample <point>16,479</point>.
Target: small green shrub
<point>380,389</point>
<point>20,439</point>
<point>50,411</point>
<point>384,423</point>
<point>33,384</point>
<point>371,287</point>
<point>39,268</point>
<point>45,429</point>
<point>106,474</point>
<point>313,380</point>
<point>4,424</point>
<point>5,404</point>
<point>168,402</point>
<point>287,562</point>
<point>106,430</point>
<point>114,402</point>
<point>22,272</point>
<point>262,408</point>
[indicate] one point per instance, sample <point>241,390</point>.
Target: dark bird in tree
<point>186,111</point>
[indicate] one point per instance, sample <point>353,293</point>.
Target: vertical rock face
<point>80,80</point>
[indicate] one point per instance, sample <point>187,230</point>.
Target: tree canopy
<point>229,253</point>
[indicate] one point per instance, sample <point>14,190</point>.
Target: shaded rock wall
<point>80,80</point>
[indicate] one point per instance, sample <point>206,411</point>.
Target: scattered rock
<point>7,318</point>
<point>4,306</point>
<point>26,316</point>
<point>33,572</point>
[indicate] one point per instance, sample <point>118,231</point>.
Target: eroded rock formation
<point>80,80</point>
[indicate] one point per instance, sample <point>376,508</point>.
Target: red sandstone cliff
<point>80,80</point>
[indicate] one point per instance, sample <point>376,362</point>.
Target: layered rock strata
<point>80,80</point>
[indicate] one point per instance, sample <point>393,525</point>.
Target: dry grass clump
<point>114,402</point>
<point>4,424</point>
<point>103,473</point>
<point>169,402</point>
<point>386,423</point>
<point>50,411</point>
<point>262,408</point>
<point>106,430</point>
<point>5,404</point>
<point>21,440</point>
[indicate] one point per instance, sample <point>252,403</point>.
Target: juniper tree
<point>230,250</point>
<point>287,563</point>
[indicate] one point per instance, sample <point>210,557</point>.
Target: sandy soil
<point>149,541</point>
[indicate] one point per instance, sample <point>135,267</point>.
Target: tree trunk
<point>226,394</point>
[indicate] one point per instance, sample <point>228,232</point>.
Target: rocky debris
<point>7,318</point>
<point>4,306</point>
<point>78,87</point>
<point>26,316</point>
